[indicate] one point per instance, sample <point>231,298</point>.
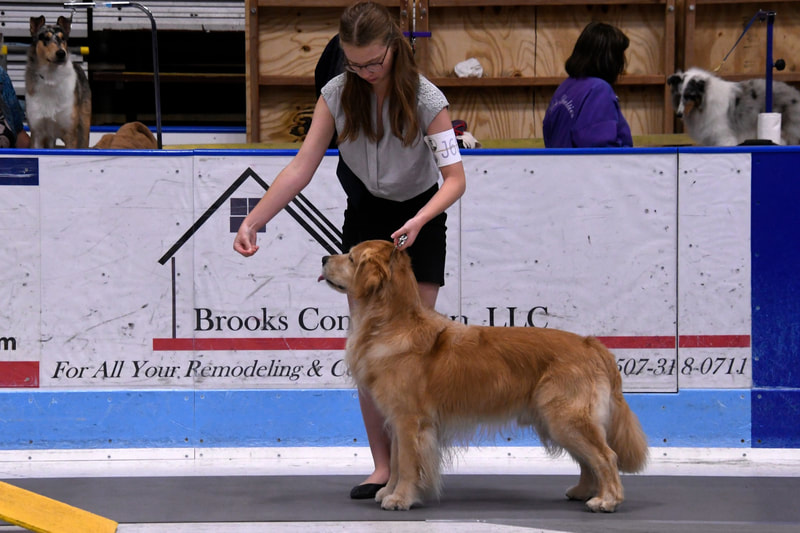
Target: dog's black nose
<point>325,259</point>
<point>61,54</point>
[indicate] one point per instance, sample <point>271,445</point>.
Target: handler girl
<point>396,135</point>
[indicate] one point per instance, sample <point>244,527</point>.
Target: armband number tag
<point>444,147</point>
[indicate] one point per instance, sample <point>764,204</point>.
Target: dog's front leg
<point>38,141</point>
<point>393,470</point>
<point>71,141</point>
<point>406,465</point>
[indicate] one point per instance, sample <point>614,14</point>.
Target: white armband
<point>444,147</point>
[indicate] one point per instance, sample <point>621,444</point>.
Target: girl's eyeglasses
<point>369,67</point>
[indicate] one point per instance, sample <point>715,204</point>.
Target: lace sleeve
<point>431,101</point>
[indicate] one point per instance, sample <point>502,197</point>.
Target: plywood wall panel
<point>510,41</point>
<point>494,113</point>
<point>503,39</point>
<point>642,108</point>
<point>717,29</point>
<point>290,41</point>
<point>558,28</point>
<point>285,114</point>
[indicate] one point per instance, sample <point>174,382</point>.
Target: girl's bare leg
<point>378,436</point>
<point>379,439</point>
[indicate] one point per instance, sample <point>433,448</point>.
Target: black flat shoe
<point>366,491</point>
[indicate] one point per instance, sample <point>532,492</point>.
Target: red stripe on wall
<point>715,341</point>
<point>684,341</point>
<point>337,343</point>
<point>19,374</point>
<point>651,342</point>
<point>334,343</point>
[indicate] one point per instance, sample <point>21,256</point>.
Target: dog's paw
<point>598,505</point>
<point>580,493</point>
<point>393,502</point>
<point>381,494</point>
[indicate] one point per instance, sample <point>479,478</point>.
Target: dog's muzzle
<point>326,280</point>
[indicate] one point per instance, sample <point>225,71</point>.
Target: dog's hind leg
<point>586,487</point>
<point>415,462</point>
<point>577,425</point>
<point>599,483</point>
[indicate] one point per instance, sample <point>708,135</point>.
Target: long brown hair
<point>361,25</point>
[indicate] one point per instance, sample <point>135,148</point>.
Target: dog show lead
<point>395,133</point>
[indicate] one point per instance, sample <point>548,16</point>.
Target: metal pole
<point>770,65</point>
<point>156,81</point>
<point>154,32</point>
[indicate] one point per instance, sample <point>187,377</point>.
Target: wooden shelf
<point>544,81</point>
<point>788,77</point>
<point>522,46</point>
<point>710,28</point>
<point>316,3</point>
<point>452,81</point>
<point>166,77</point>
<point>718,2</point>
<point>285,81</point>
<point>501,3</point>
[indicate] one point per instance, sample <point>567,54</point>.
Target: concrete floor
<point>489,490</point>
<point>468,503</point>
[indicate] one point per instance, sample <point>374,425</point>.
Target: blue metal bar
<point>770,63</point>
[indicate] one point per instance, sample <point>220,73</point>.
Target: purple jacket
<point>584,113</point>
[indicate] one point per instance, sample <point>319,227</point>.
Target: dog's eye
<point>350,258</point>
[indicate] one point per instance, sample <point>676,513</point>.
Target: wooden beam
<point>44,515</point>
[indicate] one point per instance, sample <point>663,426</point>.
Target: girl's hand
<point>245,241</point>
<point>410,229</point>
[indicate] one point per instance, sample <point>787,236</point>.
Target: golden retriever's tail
<point>624,432</point>
<point>626,438</point>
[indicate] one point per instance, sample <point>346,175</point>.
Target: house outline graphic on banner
<point>310,218</point>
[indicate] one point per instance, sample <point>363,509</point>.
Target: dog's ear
<point>695,89</point>
<point>700,84</point>
<point>65,24</point>
<point>675,80</point>
<point>36,23</point>
<point>371,273</point>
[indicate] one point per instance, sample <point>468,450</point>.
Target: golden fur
<point>435,380</point>
<point>131,135</point>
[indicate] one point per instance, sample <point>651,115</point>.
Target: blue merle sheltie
<point>717,112</point>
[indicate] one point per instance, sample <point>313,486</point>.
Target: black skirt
<point>368,217</point>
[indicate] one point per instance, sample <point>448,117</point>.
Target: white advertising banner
<point>714,271</point>
<point>577,242</point>
<point>121,272</point>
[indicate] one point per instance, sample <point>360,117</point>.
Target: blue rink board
<point>766,416</point>
<point>775,289</point>
<point>331,417</point>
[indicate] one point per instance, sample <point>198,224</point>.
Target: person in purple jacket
<point>584,111</point>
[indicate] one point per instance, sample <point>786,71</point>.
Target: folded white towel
<point>470,68</point>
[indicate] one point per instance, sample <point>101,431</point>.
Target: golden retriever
<point>435,380</point>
